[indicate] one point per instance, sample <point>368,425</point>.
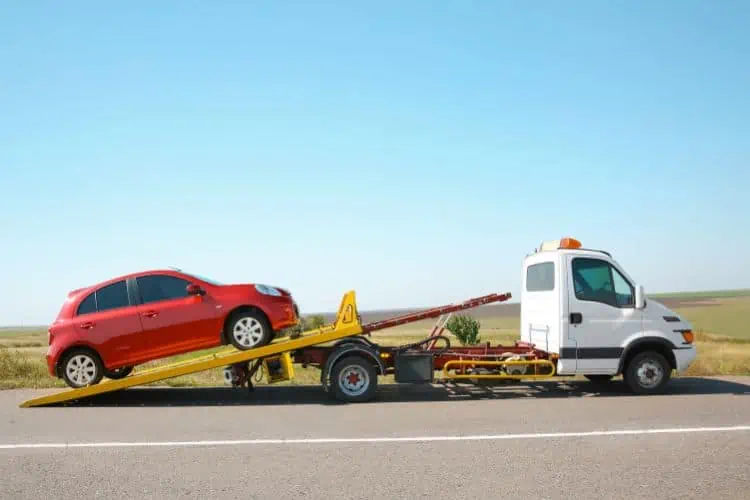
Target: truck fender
<point>346,347</point>
<point>667,344</point>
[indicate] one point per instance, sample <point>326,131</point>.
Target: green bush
<point>307,323</point>
<point>465,328</point>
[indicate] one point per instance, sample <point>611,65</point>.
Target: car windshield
<point>203,278</point>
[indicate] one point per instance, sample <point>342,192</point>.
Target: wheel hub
<point>650,374</point>
<point>81,370</point>
<point>248,331</point>
<point>354,380</point>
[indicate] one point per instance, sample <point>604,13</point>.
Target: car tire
<point>118,373</point>
<point>81,368</point>
<point>248,329</point>
<point>599,379</point>
<point>354,380</point>
<point>647,373</point>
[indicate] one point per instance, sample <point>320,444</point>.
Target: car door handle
<point>576,318</point>
<point>150,314</point>
<point>87,325</point>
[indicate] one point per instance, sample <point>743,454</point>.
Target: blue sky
<point>412,151</point>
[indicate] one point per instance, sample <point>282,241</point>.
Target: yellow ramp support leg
<point>347,324</point>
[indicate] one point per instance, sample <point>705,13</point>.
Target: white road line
<point>407,439</point>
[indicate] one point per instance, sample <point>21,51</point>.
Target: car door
<point>173,321</point>
<point>603,317</point>
<point>108,321</point>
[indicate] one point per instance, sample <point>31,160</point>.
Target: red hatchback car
<point>106,329</point>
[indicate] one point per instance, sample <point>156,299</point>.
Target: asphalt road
<point>541,440</point>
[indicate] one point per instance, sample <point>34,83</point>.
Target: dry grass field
<point>721,321</point>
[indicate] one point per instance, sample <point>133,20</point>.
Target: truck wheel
<point>354,380</point>
<point>599,379</point>
<point>647,373</point>
<point>118,373</point>
<point>248,329</point>
<point>81,368</point>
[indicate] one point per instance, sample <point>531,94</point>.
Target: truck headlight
<point>268,290</point>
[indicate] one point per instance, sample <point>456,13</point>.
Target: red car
<point>106,329</point>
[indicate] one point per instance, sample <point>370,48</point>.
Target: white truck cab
<point>582,306</point>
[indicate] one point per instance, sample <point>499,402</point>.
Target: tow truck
<point>581,314</point>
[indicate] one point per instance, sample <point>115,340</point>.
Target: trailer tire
<point>647,373</point>
<point>354,380</point>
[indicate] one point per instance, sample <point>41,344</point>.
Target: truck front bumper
<point>684,358</point>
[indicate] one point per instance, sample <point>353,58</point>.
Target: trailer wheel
<point>647,373</point>
<point>354,380</point>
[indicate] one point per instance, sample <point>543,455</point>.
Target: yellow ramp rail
<point>347,324</point>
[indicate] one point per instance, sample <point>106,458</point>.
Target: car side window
<point>156,288</point>
<point>599,281</point>
<point>112,296</point>
<point>88,305</point>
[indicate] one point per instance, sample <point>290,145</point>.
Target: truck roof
<point>567,245</point>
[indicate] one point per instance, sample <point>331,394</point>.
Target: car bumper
<point>51,364</point>
<point>285,314</point>
<point>684,358</point>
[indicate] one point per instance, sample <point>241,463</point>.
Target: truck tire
<point>599,379</point>
<point>248,329</point>
<point>354,380</point>
<point>647,373</point>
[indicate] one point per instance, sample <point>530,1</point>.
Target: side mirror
<point>193,289</point>
<point>640,297</point>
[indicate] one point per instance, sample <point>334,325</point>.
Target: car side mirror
<point>640,297</point>
<point>193,289</point>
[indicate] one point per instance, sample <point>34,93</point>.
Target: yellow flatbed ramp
<point>347,324</point>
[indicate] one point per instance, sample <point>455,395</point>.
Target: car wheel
<point>118,373</point>
<point>354,379</point>
<point>248,329</point>
<point>81,368</point>
<point>599,378</point>
<point>647,373</point>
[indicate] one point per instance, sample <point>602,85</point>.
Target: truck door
<point>602,315</point>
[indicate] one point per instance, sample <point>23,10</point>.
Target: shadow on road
<point>442,392</point>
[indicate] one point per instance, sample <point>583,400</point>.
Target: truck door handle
<point>150,314</point>
<point>87,325</point>
<point>576,318</point>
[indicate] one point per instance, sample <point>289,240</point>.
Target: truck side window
<point>624,292</point>
<point>540,277</point>
<point>592,280</point>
